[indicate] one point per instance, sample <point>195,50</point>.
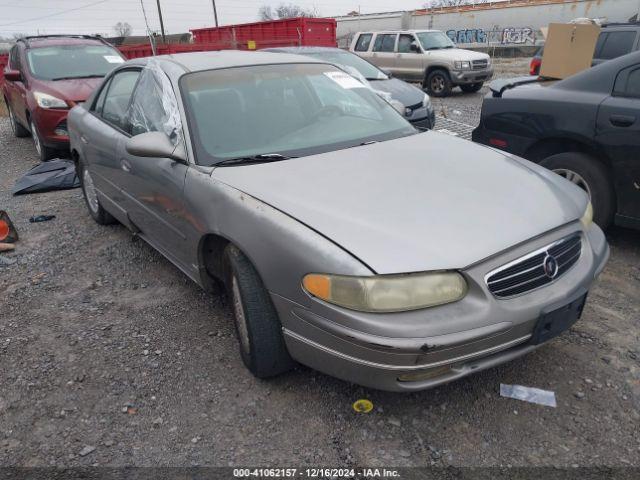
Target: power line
<point>53,14</point>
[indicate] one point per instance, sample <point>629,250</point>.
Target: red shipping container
<point>317,32</point>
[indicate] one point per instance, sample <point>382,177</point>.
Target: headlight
<point>45,100</point>
<point>463,65</point>
<point>426,101</point>
<point>387,293</point>
<point>587,218</point>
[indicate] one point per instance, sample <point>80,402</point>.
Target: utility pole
<point>164,38</point>
<point>215,11</point>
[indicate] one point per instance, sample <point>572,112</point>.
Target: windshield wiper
<point>261,158</point>
<point>81,76</point>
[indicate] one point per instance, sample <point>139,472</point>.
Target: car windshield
<point>72,61</point>
<point>292,110</point>
<point>344,59</point>
<point>434,40</point>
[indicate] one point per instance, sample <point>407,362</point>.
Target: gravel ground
<point>110,356</point>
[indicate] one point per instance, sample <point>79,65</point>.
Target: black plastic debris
<point>55,174</point>
<point>42,218</point>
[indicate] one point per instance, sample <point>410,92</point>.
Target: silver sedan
<point>347,240</point>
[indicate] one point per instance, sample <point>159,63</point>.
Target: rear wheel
<point>438,83</point>
<point>262,346</point>
<point>99,214</point>
<point>17,129</point>
<point>592,176</point>
<point>44,153</point>
<point>471,87</point>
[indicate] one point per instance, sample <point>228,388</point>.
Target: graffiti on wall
<point>505,36</point>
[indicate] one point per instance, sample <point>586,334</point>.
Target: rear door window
<point>616,44</point>
<point>363,43</point>
<point>385,43</point>
<point>118,98</point>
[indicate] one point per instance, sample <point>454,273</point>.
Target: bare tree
<point>266,12</point>
<point>122,29</point>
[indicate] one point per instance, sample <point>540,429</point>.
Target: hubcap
<point>241,319</point>
<point>574,178</point>
<point>36,139</point>
<point>90,191</point>
<point>437,83</point>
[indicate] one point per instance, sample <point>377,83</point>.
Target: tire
<point>97,212</point>
<point>258,327</point>
<point>471,87</point>
<point>438,83</point>
<point>44,153</point>
<point>590,175</point>
<point>17,129</point>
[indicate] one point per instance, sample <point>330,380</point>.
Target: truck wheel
<point>262,346</point>
<point>17,129</point>
<point>438,83</point>
<point>471,87</point>
<point>590,175</point>
<point>99,214</point>
<point>44,153</point>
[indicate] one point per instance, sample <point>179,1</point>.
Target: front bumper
<point>52,127</point>
<point>464,77</point>
<point>422,349</point>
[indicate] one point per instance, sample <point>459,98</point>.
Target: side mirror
<point>155,145</point>
<point>13,75</point>
<point>415,48</point>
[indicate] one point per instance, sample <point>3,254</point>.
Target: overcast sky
<point>99,16</point>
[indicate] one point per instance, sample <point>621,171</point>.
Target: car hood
<point>458,54</point>
<point>401,91</point>
<point>76,90</point>
<point>425,202</point>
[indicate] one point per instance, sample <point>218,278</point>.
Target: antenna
<point>146,22</point>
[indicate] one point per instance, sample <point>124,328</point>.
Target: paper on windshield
<point>345,80</point>
<point>113,59</point>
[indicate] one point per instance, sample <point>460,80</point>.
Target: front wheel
<point>262,346</point>
<point>438,83</point>
<point>590,175</point>
<point>44,153</point>
<point>17,129</point>
<point>99,214</point>
<point>471,87</point>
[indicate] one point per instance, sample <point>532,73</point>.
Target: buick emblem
<point>550,266</point>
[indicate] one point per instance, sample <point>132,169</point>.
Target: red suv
<point>48,75</point>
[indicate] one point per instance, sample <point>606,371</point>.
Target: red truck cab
<point>48,75</point>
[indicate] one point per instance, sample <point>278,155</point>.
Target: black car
<point>615,40</point>
<point>585,128</point>
<point>417,105</point>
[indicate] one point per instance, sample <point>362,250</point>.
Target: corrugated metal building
<point>506,23</point>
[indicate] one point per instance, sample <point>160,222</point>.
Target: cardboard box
<point>569,49</point>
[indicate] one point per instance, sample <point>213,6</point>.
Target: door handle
<point>622,120</point>
<point>126,166</point>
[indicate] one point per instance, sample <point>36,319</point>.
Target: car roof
<point>306,50</point>
<point>50,41</point>
<point>421,30</point>
<point>201,61</point>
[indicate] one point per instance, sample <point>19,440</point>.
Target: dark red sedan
<point>48,75</point>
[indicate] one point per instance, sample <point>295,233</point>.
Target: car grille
<point>535,270</point>
<point>479,64</point>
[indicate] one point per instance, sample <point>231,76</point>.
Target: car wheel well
<point>433,68</point>
<point>553,146</point>
<point>211,260</point>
